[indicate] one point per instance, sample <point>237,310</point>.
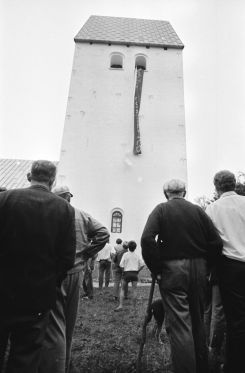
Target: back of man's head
<point>132,245</point>
<point>63,191</point>
<point>118,241</point>
<point>42,171</point>
<point>224,181</point>
<point>174,187</point>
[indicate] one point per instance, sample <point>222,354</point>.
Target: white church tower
<point>124,133</point>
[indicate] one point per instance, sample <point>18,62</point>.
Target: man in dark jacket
<point>37,247</point>
<point>187,239</point>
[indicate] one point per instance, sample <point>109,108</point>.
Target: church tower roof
<point>129,31</point>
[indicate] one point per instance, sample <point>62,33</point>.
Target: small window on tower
<point>140,62</point>
<point>116,222</point>
<point>116,61</point>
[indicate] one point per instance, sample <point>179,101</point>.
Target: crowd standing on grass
<point>197,257</point>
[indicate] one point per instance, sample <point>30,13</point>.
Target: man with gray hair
<point>37,247</point>
<point>186,240</point>
<point>228,215</point>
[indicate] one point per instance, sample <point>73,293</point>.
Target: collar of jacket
<point>40,186</point>
<point>226,194</point>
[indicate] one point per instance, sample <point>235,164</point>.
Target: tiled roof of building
<point>131,31</point>
<point>13,173</point>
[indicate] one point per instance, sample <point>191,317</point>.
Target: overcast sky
<point>37,48</point>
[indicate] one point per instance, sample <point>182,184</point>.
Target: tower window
<point>116,222</point>
<point>116,61</point>
<point>140,62</point>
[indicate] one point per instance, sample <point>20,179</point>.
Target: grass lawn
<point>108,342</point>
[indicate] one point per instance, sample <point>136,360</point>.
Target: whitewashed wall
<point>97,160</point>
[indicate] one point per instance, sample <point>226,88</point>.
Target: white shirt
<point>105,253</point>
<point>228,215</point>
<point>131,261</point>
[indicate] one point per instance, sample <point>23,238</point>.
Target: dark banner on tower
<point>137,99</point>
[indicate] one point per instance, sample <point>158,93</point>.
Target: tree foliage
<point>203,201</point>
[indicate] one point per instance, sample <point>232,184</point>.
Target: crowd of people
<point>48,251</point>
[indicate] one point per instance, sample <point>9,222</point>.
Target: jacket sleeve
<point>148,241</point>
<point>98,235</point>
<point>67,246</point>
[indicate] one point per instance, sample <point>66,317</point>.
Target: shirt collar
<point>177,197</point>
<point>230,193</point>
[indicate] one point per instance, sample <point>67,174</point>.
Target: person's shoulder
<point>11,195</point>
<point>13,192</point>
<point>159,207</point>
<point>126,254</point>
<point>82,215</point>
<point>81,212</point>
<point>239,196</point>
<point>193,205</point>
<point>238,201</point>
<point>184,204</point>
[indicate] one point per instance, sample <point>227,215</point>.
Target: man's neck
<point>41,183</point>
<point>175,197</point>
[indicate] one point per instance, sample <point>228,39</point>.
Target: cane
<point>143,337</point>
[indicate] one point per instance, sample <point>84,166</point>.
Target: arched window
<point>140,62</point>
<point>116,61</point>
<point>116,222</point>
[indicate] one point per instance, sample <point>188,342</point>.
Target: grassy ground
<point>108,342</point>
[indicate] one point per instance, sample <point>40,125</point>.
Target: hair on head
<point>43,171</point>
<point>224,181</point>
<point>174,186</point>
<point>132,245</point>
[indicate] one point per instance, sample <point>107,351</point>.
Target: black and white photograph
<point>122,186</point>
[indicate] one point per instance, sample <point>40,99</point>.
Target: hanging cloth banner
<point>137,99</point>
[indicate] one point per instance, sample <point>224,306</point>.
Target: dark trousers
<point>26,336</point>
<point>232,286</point>
<point>183,289</point>
<point>104,270</point>
<point>215,319</point>
<point>56,352</point>
<point>88,283</point>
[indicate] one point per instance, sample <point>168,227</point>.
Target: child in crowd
<point>131,264</point>
<point>118,271</point>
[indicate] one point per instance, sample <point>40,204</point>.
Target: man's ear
<point>28,176</point>
<point>166,195</point>
<point>51,183</point>
<point>184,194</point>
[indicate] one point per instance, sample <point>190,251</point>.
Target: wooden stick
<point>143,337</point>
